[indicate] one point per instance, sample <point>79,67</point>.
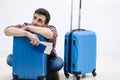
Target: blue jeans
<point>53,64</point>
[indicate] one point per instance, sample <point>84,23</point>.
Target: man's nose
<point>35,22</point>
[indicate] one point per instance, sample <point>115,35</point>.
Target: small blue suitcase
<point>27,62</point>
<point>79,50</point>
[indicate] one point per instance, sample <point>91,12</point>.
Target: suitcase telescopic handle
<point>79,15</point>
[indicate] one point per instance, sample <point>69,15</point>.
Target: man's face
<point>39,20</point>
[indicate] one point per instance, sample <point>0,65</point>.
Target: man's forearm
<point>12,31</point>
<point>46,32</point>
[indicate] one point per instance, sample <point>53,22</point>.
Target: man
<point>40,26</point>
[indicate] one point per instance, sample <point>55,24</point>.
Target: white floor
<point>108,68</point>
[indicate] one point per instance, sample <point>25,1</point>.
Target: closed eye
<point>40,20</point>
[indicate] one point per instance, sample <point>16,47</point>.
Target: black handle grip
<point>78,30</point>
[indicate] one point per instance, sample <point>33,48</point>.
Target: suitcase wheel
<point>66,74</point>
<point>76,74</point>
<point>41,78</point>
<point>94,73</point>
<point>15,77</point>
<point>76,77</point>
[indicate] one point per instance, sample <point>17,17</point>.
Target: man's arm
<point>13,31</point>
<point>44,31</point>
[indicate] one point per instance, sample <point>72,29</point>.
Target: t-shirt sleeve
<point>55,34</point>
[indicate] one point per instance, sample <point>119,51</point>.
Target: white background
<point>101,16</point>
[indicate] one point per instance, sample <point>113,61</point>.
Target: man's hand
<point>33,39</point>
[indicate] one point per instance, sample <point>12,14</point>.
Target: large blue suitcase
<point>80,52</point>
<point>27,62</point>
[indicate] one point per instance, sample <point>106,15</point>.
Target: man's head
<point>41,17</point>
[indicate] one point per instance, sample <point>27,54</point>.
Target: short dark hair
<point>43,12</point>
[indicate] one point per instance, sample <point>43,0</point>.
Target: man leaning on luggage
<point>39,25</point>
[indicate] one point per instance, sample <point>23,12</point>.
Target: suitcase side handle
<point>75,52</point>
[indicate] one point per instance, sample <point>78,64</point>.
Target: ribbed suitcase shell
<point>27,63</point>
<point>82,58</point>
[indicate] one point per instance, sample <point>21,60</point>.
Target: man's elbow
<point>6,31</point>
